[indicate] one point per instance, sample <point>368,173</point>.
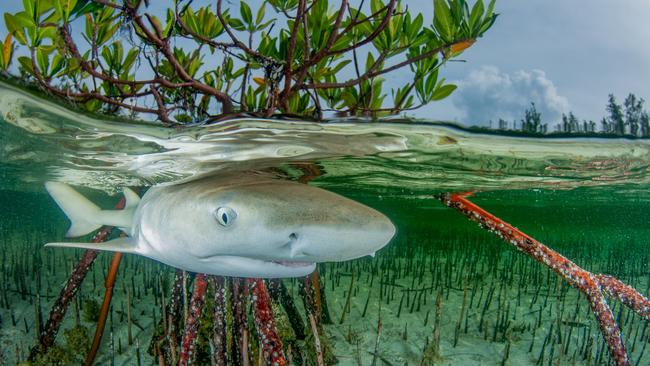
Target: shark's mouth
<point>252,262</point>
<point>293,263</point>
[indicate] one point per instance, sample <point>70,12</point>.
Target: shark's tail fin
<point>81,212</point>
<point>85,215</point>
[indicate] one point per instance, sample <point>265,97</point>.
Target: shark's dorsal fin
<point>124,245</point>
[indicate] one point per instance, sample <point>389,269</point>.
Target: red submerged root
<point>592,285</point>
<point>188,344</point>
<point>239,347</point>
<point>219,340</point>
<point>311,297</point>
<point>170,338</point>
<point>626,294</point>
<point>265,324</point>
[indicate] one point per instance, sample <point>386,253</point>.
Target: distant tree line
<point>628,119</point>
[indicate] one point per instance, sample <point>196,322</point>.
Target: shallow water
<point>586,198</point>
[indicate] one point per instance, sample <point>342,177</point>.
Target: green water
<point>437,252</point>
<point>602,236</point>
<point>586,198</point>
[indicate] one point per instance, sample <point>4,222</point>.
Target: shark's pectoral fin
<point>124,245</point>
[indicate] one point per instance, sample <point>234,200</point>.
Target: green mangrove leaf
<point>84,7</point>
<point>443,19</point>
<point>260,14</point>
<point>236,24</point>
<point>475,15</point>
<point>58,63</point>
<point>26,64</point>
<point>443,92</point>
<point>246,14</point>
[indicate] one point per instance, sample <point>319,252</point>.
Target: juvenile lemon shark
<point>232,226</point>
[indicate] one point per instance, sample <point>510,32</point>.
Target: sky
<point>563,55</point>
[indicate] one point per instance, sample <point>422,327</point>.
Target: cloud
<point>489,94</point>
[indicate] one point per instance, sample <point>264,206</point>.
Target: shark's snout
<point>344,243</point>
<point>340,237</point>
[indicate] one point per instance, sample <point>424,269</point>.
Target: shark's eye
<point>225,216</point>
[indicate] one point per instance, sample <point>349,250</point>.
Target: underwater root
<point>625,294</point>
<point>265,324</point>
<point>192,322</point>
<point>68,292</point>
<point>219,342</point>
<point>109,284</point>
<point>592,285</point>
<point>263,318</point>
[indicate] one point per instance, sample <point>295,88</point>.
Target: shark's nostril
<point>295,249</point>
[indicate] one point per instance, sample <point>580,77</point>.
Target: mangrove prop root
<point>280,294</point>
<point>239,345</point>
<point>174,309</point>
<point>109,284</point>
<point>219,341</point>
<point>319,295</point>
<point>326,318</point>
<point>317,345</point>
<point>589,284</point>
<point>311,295</point>
<point>49,332</point>
<point>188,344</point>
<point>270,342</point>
<point>625,294</point>
<point>165,346</point>
<point>57,313</point>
